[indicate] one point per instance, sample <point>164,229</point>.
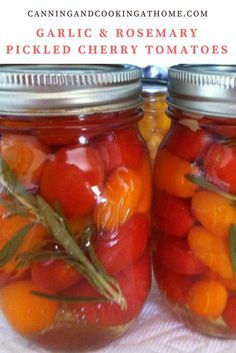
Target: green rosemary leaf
<point>106,285</point>
<point>209,186</point>
<point>10,249</point>
<point>69,299</point>
<point>14,209</point>
<point>232,246</point>
<point>28,258</point>
<point>11,183</point>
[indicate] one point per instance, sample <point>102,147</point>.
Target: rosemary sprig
<point>232,246</point>
<point>105,284</point>
<point>69,299</point>
<point>108,287</point>
<point>11,247</point>
<point>209,186</point>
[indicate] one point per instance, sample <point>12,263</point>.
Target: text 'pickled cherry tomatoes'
<point>176,286</point>
<point>172,214</point>
<point>54,275</point>
<point>25,156</point>
<point>119,249</point>
<point>220,166</point>
<point>121,148</point>
<point>135,284</point>
<point>120,199</point>
<point>186,143</point>
<point>176,255</point>
<point>73,178</point>
<point>169,174</point>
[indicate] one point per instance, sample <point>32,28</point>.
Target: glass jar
<point>155,123</point>
<point>75,182</point>
<point>194,213</point>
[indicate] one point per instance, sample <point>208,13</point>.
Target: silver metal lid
<point>203,89</point>
<point>68,89</point>
<point>153,87</point>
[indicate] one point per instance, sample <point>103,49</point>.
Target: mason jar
<point>155,123</point>
<point>74,203</point>
<point>194,213</point>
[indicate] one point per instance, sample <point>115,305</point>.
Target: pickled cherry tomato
<point>25,156</point>
<point>26,312</point>
<point>176,255</point>
<point>145,172</point>
<point>172,214</point>
<point>74,178</point>
<point>176,286</point>
<point>211,250</point>
<point>33,240</point>
<point>207,298</point>
<point>169,174</point>
<point>229,312</point>
<point>215,212</point>
<point>117,250</point>
<point>135,283</point>
<point>186,143</point>
<point>119,200</point>
<point>54,275</point>
<point>220,166</point>
<point>121,148</point>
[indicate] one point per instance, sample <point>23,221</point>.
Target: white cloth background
<point>155,331</point>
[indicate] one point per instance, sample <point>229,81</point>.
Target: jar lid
<point>67,89</point>
<point>203,89</point>
<point>153,87</point>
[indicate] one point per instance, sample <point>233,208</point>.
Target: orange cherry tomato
<point>211,250</point>
<point>214,212</point>
<point>207,298</point>
<point>25,155</point>
<point>33,241</point>
<point>27,313</point>
<point>169,174</point>
<point>119,199</point>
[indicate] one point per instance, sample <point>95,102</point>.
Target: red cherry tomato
<point>74,178</point>
<point>176,255</point>
<point>229,314</point>
<point>220,166</point>
<point>172,214</point>
<point>119,249</point>
<point>135,283</point>
<point>123,147</point>
<point>185,143</point>
<point>54,275</point>
<point>175,286</point>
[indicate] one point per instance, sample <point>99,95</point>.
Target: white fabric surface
<point>156,331</point>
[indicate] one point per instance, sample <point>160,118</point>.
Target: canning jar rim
<point>68,89</point>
